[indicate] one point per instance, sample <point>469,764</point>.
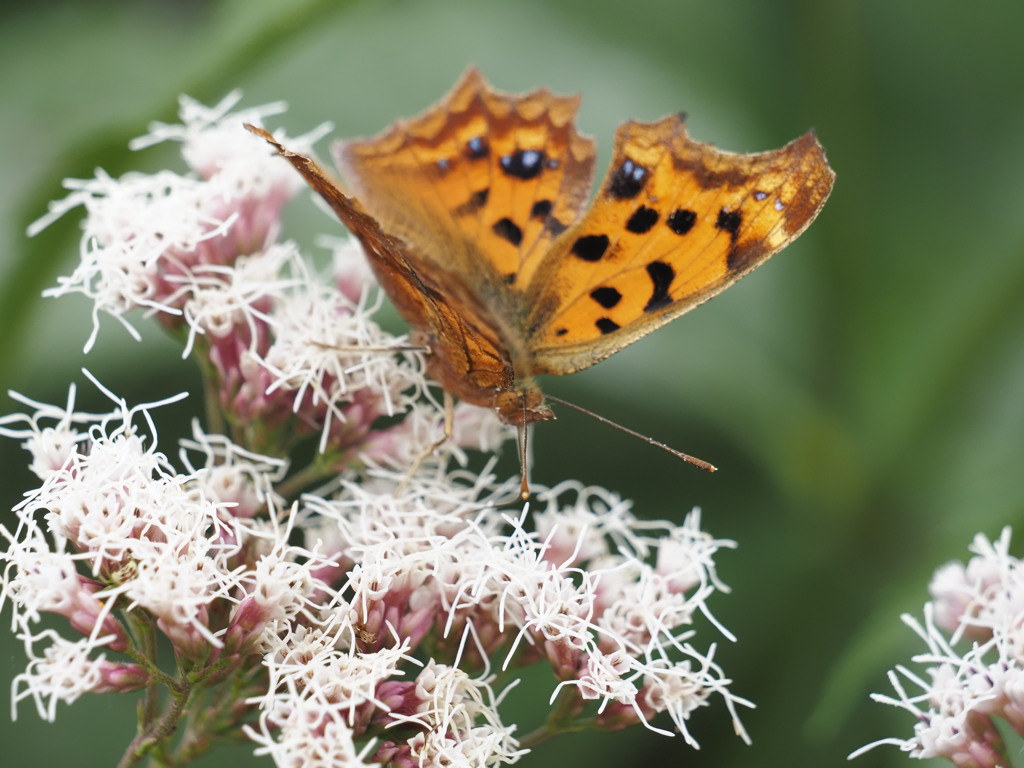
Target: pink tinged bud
<point>85,617</point>
<point>247,624</point>
<point>952,595</point>
<point>188,640</point>
<point>399,699</point>
<point>978,745</point>
<point>564,656</point>
<point>120,678</point>
<point>617,716</point>
<point>1013,700</point>
<point>415,619</point>
<point>396,755</point>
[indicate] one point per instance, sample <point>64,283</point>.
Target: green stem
<point>211,399</point>
<point>304,478</point>
<point>155,736</point>
<point>562,719</point>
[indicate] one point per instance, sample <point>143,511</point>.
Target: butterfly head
<point>522,406</point>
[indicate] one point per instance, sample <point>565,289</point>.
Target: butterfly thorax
<point>476,372</point>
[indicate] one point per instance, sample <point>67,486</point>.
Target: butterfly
<point>474,218</point>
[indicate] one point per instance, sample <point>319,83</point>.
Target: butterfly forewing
<point>479,184</point>
<point>675,222</point>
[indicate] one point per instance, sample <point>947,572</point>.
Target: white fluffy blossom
<point>973,668</point>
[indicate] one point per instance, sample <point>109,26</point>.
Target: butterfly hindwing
<point>466,356</point>
<point>675,222</point>
<point>481,183</point>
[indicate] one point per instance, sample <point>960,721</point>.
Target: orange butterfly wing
<point>473,226</point>
<point>676,222</point>
<point>481,183</point>
<point>467,357</point>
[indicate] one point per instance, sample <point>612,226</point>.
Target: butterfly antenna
<point>700,463</point>
<point>371,347</point>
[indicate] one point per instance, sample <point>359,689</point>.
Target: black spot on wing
<point>729,221</point>
<point>523,163</point>
<point>541,209</point>
<point>627,181</point>
<point>681,221</point>
<point>476,201</point>
<point>661,275</point>
<point>590,247</point>
<point>607,325</point>
<point>477,148</point>
<point>642,220</point>
<point>507,230</point>
<point>606,296</point>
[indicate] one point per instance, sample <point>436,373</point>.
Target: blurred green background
<point>861,394</point>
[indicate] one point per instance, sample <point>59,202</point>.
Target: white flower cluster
<point>973,674</point>
<point>350,611</point>
<point>573,585</point>
<point>113,527</point>
<point>148,237</point>
<point>116,539</point>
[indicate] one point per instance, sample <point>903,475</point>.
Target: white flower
<point>51,447</point>
<point>214,143</point>
<point>234,302</point>
<point>961,691</point>
<point>300,734</point>
<point>239,479</point>
<point>320,671</point>
<point>63,672</point>
<point>144,235</point>
<point>137,228</point>
<point>325,349</point>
